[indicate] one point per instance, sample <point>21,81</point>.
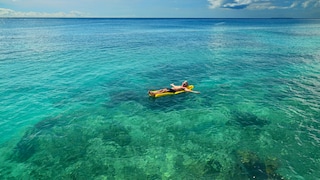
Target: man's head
<point>185,84</point>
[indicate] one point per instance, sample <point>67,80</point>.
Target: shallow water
<point>74,101</point>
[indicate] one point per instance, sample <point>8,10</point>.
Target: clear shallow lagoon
<point>74,103</point>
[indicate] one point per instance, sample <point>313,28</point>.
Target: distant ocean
<point>74,101</point>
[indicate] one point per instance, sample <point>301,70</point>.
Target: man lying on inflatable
<point>185,87</point>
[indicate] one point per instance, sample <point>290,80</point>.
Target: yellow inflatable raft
<point>170,93</point>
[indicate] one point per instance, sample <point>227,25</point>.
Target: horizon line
<point>154,18</point>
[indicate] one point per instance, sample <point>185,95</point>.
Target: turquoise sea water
<point>74,102</point>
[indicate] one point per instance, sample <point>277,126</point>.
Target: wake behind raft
<point>169,93</point>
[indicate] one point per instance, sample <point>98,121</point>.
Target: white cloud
<point>308,3</point>
<point>258,6</point>
<point>215,3</point>
<point>238,4</point>
<point>294,4</point>
<point>263,4</point>
<point>11,13</point>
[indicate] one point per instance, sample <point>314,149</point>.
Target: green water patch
<point>121,96</point>
<point>177,72</point>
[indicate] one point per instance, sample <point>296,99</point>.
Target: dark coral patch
<point>118,134</point>
<point>245,119</point>
<point>212,167</point>
<point>26,147</point>
<point>250,165</point>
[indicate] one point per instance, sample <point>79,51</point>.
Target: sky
<point>162,8</point>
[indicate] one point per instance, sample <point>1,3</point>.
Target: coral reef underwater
<point>118,146</point>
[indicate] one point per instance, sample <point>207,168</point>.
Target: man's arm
<point>189,90</point>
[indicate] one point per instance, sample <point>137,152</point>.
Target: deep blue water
<point>74,102</point>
